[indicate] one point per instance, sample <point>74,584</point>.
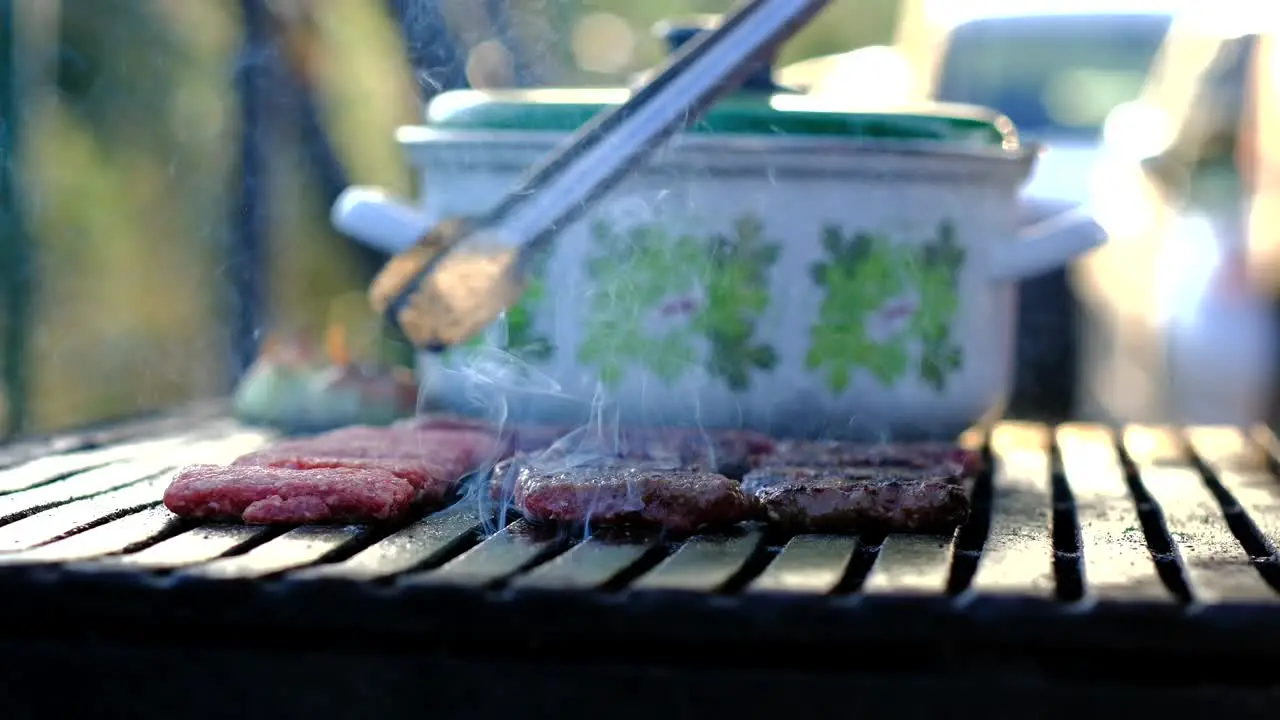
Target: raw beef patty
<point>266,495</point>
<point>352,474</point>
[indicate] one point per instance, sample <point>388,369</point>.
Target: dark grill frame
<point>1092,558</point>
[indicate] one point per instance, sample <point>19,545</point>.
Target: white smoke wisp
<point>600,437</point>
<point>596,443</point>
<point>487,377</point>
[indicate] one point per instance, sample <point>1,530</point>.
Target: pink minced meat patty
<point>466,446</point>
<point>270,495</point>
<point>353,474</point>
<point>453,452</point>
<point>431,481</point>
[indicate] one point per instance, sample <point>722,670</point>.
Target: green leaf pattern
<point>862,272</point>
<point>867,279</point>
<point>737,295</point>
<point>657,295</point>
<point>937,280</point>
<point>632,273</point>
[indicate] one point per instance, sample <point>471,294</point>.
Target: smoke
<point>489,378</point>
<point>598,441</point>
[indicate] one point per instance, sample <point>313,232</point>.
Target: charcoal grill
<point>1102,571</point>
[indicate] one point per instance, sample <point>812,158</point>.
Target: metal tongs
<point>464,273</point>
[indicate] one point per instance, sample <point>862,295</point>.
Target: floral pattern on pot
<point>737,295</point>
<point>660,297</point>
<point>882,300</point>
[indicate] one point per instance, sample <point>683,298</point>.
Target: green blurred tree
<point>130,149</point>
<point>129,157</point>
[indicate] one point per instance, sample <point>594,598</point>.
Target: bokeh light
<point>489,65</point>
<point>603,43</point>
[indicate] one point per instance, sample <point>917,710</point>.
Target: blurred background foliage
<point>129,153</point>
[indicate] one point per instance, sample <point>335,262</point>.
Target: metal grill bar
<point>83,485</point>
<point>422,543</point>
<point>1072,520</point>
<point>81,501</point>
<point>510,550</point>
<point>1216,566</point>
<point>200,545</point>
<point>1241,467</point>
<point>117,536</point>
<point>296,548</point>
<point>807,564</point>
<point>1016,558</point>
<point>702,564</point>
<point>911,565</point>
<point>1117,567</point>
<point>151,427</point>
<point>588,565</point>
<point>54,467</point>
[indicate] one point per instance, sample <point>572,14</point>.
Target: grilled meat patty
<point>676,479</point>
<point>839,454</point>
<point>635,493</point>
<point>839,500</point>
<point>502,481</point>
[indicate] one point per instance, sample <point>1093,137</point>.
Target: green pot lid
<point>565,110</point>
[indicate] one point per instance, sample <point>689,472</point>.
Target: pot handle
<point>372,218</point>
<point>1046,245</point>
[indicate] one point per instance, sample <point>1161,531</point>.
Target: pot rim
<point>416,138</point>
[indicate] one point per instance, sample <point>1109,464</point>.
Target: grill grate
<point>1080,536</point>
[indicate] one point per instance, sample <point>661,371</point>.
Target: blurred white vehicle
<point>1057,69</point>
<point>1179,325</point>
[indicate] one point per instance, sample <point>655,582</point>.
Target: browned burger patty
<point>841,500</point>
<point>840,454</point>
<point>631,494</point>
<point>502,482</point>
